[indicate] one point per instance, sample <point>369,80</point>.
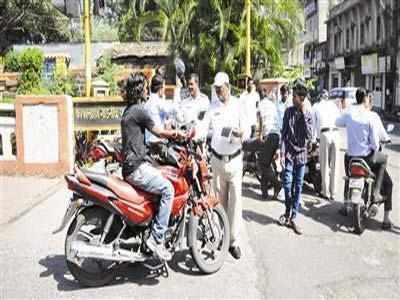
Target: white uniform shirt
<point>269,116</point>
<point>249,102</point>
<point>281,108</point>
<point>361,131</point>
<point>324,114</point>
<point>380,131</point>
<point>160,111</point>
<point>190,108</point>
<point>227,116</point>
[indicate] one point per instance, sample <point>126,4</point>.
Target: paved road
<point>328,261</point>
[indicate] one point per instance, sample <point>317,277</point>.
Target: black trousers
<point>377,162</point>
<point>266,148</point>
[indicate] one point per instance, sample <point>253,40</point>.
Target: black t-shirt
<point>135,120</point>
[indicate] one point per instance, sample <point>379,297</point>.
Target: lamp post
<point>248,37</point>
<point>88,49</point>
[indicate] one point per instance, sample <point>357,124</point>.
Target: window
<point>378,28</point>
<point>347,38</point>
<point>362,34</point>
<point>353,37</point>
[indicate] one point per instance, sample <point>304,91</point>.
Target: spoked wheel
<point>209,239</point>
<point>87,227</point>
<point>359,211</point>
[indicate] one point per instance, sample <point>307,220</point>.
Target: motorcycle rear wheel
<point>88,271</point>
<point>209,254</point>
<point>359,217</point>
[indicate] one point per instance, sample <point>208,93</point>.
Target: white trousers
<point>228,185</point>
<point>328,153</point>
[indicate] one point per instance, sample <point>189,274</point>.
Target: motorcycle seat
<point>119,187</point>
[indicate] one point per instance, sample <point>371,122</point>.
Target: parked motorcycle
<point>361,181</point>
<point>312,172</point>
<point>111,220</point>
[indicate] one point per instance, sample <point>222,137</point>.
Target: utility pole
<point>248,37</point>
<point>88,49</point>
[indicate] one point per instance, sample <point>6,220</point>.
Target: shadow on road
<point>249,216</point>
<point>136,273</point>
<point>393,147</point>
<point>328,215</point>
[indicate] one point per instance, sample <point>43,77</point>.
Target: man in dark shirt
<point>136,169</point>
<point>296,132</point>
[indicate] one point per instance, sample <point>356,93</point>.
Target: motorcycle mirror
<point>390,128</point>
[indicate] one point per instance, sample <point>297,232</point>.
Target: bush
<point>107,71</point>
<point>31,64</point>
<point>62,85</point>
<point>12,62</point>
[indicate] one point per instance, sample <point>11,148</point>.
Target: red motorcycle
<point>112,219</point>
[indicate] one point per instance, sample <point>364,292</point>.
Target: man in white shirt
<point>196,104</point>
<point>325,114</point>
<point>250,99</point>
<point>228,128</point>
<point>282,104</point>
<point>266,144</point>
<point>363,141</point>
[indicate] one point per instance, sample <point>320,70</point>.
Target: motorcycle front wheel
<point>88,227</point>
<point>209,239</point>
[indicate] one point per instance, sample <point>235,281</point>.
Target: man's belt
<point>225,158</point>
<point>325,129</point>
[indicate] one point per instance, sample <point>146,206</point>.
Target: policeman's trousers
<point>328,153</point>
<point>228,185</point>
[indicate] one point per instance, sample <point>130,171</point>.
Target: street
<point>327,261</point>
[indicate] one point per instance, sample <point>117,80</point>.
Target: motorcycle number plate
<point>357,183</point>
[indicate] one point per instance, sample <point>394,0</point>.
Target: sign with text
<point>95,115</point>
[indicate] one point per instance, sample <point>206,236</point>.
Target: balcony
<point>342,7</point>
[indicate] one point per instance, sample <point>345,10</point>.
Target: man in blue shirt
<point>363,141</point>
<point>297,129</point>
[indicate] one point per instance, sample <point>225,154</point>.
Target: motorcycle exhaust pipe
<point>81,249</point>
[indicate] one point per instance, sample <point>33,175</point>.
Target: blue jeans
<point>293,171</point>
<point>149,179</point>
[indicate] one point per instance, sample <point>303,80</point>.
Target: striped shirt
<point>297,130</point>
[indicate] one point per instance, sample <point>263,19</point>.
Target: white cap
<point>221,78</point>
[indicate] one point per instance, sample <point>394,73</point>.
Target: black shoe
<point>295,227</point>
<point>387,225</point>
<point>235,252</point>
<point>283,220</point>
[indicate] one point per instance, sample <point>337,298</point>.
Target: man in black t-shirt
<point>136,169</point>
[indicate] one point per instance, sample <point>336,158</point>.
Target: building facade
<point>362,42</point>
<point>316,14</point>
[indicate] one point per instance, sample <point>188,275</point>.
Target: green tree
<point>35,21</point>
<point>31,65</point>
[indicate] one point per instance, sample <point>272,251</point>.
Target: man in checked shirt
<point>297,130</point>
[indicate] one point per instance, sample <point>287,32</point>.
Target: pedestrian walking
<point>266,144</point>
<point>296,131</point>
<point>325,114</point>
<point>229,128</point>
